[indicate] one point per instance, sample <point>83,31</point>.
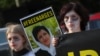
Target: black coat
<point>42,53</point>
<point>20,53</point>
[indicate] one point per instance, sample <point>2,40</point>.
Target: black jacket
<point>20,53</point>
<point>42,53</point>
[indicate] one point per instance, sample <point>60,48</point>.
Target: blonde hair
<point>17,28</point>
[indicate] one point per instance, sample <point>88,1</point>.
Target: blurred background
<point>13,10</point>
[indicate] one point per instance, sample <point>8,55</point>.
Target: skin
<point>15,41</point>
<point>72,22</point>
<point>44,37</point>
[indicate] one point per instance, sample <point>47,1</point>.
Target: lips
<point>13,45</point>
<point>45,41</point>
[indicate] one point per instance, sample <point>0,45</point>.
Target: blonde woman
<point>17,40</point>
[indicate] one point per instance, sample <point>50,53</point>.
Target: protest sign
<point>84,43</point>
<point>40,24</point>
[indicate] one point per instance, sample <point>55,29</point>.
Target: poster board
<point>46,18</point>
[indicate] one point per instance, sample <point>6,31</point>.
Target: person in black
<point>17,41</point>
<point>73,17</point>
<point>43,38</point>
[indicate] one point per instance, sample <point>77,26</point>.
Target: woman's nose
<point>44,37</point>
<point>69,20</point>
<point>12,40</point>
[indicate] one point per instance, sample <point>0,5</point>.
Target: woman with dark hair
<point>73,18</point>
<point>43,38</point>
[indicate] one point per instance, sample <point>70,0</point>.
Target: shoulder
<point>30,54</point>
<point>42,52</point>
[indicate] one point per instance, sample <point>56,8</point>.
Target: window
<point>4,47</point>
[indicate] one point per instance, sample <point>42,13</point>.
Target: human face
<point>72,21</point>
<point>15,41</point>
<point>44,37</point>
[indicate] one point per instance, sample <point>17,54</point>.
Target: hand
<point>54,41</point>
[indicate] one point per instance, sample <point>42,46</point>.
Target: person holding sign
<point>43,39</point>
<point>17,41</point>
<point>73,18</point>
